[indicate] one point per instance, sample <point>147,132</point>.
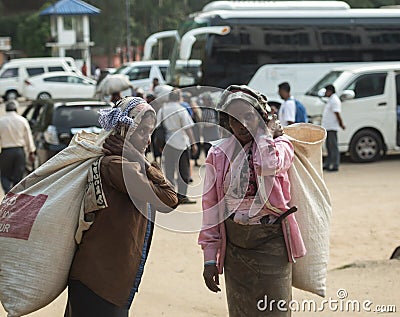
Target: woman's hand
<point>211,278</point>
<point>274,126</point>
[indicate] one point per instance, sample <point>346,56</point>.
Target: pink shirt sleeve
<point>272,156</point>
<point>210,236</point>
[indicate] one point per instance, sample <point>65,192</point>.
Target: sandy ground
<point>364,233</point>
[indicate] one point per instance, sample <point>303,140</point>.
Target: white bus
<point>234,38</point>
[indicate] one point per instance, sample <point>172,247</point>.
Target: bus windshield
<point>326,80</point>
<point>185,73</point>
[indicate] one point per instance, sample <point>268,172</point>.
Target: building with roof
<point>70,30</point>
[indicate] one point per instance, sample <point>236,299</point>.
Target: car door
<point>56,86</point>
<point>79,87</point>
<point>368,108</point>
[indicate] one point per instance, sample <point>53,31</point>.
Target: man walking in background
<point>15,139</point>
<point>332,121</point>
<point>179,138</point>
<point>287,110</point>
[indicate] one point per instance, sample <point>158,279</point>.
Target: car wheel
<point>43,96</point>
<point>366,146</point>
<point>11,95</point>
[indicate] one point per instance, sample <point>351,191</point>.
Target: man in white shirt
<point>287,110</point>
<point>332,121</point>
<point>15,139</point>
<point>179,138</point>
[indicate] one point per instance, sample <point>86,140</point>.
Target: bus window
<point>282,37</point>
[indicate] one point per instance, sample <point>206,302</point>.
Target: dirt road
<point>364,230</point>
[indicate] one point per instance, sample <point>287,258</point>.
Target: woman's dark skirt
<point>83,302</point>
<point>257,272</point>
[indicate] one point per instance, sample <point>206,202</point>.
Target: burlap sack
<point>38,221</point>
<point>311,196</point>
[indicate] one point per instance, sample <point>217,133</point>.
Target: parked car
<point>55,122</point>
<point>57,85</point>
<point>14,72</point>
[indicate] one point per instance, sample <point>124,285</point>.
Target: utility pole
<point>128,31</point>
<point>160,27</point>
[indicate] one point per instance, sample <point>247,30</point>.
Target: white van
<point>141,73</point>
<point>300,76</point>
<point>370,108</point>
<point>14,72</point>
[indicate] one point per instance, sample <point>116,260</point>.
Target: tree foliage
<point>32,35</point>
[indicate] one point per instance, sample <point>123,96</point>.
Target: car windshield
<point>80,116</point>
<point>326,80</point>
<point>121,69</point>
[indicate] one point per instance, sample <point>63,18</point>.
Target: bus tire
<point>366,146</point>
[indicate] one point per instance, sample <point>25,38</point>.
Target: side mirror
<point>321,92</point>
<point>347,95</point>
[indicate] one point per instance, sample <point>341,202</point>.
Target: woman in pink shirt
<point>248,227</point>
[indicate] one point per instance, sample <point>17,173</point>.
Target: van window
<point>56,69</point>
<point>9,73</point>
<point>32,71</point>
<point>368,85</point>
<point>139,73</point>
<point>398,96</point>
<point>163,70</point>
<point>327,79</point>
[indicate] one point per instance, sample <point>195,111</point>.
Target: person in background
<point>155,84</point>
<point>179,138</point>
<point>248,229</point>
<point>15,142</point>
<point>97,72</point>
<point>195,113</point>
<point>209,121</point>
<point>108,265</point>
<point>84,69</point>
<point>139,92</point>
<point>156,153</point>
<point>287,110</point>
<point>149,98</point>
<point>115,96</point>
<point>332,121</point>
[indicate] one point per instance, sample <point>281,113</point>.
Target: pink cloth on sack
<point>212,237</point>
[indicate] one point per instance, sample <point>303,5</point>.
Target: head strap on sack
<point>127,112</point>
<point>243,92</point>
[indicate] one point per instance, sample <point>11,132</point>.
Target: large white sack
<point>113,83</point>
<point>39,218</point>
<point>310,195</point>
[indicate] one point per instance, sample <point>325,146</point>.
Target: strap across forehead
<point>255,98</point>
<point>239,95</point>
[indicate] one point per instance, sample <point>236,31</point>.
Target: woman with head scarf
<point>248,228</point>
<point>109,262</point>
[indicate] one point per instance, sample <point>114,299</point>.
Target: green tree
<point>108,28</point>
<point>33,33</point>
